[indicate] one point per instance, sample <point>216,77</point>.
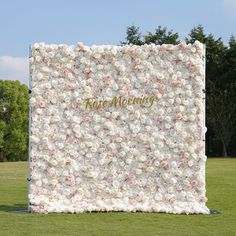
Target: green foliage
<point>160,36</point>
<point>14,120</point>
<point>133,36</point>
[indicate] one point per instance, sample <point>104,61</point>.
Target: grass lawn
<point>221,192</point>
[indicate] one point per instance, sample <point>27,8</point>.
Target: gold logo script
<point>91,103</point>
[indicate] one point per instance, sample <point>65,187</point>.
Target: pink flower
<point>87,70</point>
<point>149,162</point>
<point>42,104</point>
<point>161,118</point>
<point>181,155</point>
<point>176,83</point>
<point>194,182</point>
<point>178,116</point>
<point>74,104</point>
<point>129,178</point>
<point>71,86</point>
<point>182,45</point>
<point>162,87</point>
<point>112,60</point>
<point>172,200</point>
<point>190,139</point>
<point>165,165</point>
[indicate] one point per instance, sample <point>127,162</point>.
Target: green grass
<point>221,192</point>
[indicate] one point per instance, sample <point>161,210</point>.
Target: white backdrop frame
<point>30,133</point>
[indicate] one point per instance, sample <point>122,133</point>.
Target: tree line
<point>220,95</point>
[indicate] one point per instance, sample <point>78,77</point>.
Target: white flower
<point>174,164</point>
<point>116,184</point>
<point>138,171</point>
<point>168,118</point>
<point>173,181</point>
<point>143,158</point>
<point>180,56</point>
<point>158,197</point>
<point>190,163</point>
<point>34,139</point>
<point>108,124</point>
<point>193,49</point>
<point>38,58</point>
<point>165,176</point>
<point>115,86</point>
<point>192,117</point>
<point>77,129</point>
<point>188,93</point>
<point>190,197</point>
<point>150,169</point>
<point>39,76</point>
<point>161,111</point>
<point>32,101</point>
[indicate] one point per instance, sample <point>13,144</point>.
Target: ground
<point>221,192</point>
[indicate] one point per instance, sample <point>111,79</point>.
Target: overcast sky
<point>24,22</point>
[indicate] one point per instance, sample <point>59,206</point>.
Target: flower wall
<point>144,152</point>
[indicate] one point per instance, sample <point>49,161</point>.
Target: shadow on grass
<point>16,208</point>
<point>23,208</point>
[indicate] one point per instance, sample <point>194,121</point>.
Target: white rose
<point>174,164</point>
<point>190,163</point>
<point>158,197</point>
<point>34,139</point>
<point>138,171</point>
<point>32,101</point>
<point>142,158</point>
<point>180,56</point>
<point>77,129</point>
<point>150,169</point>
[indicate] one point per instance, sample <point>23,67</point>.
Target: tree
<point>162,36</point>
<point>197,33</point>
<point>221,114</point>
<point>14,120</point>
<point>133,36</point>
<point>229,62</point>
